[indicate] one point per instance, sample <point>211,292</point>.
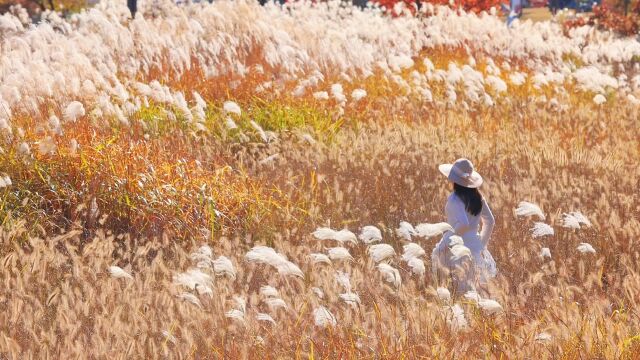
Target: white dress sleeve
<point>488,222</point>
<point>457,215</point>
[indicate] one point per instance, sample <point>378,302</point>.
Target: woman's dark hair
<point>471,198</point>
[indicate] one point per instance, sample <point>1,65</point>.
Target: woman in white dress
<point>466,208</point>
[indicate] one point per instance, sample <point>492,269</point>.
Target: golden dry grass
<point>146,197</point>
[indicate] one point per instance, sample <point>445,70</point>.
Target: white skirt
<point>466,273</point>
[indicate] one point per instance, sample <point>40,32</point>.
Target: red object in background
<point>605,18</point>
<point>467,5</point>
<point>539,3</point>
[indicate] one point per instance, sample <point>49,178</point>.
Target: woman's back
<point>467,225</point>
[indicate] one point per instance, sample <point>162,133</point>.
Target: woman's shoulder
<point>453,198</point>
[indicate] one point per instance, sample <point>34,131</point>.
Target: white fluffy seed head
<point>339,254</point>
<point>370,234</point>
<point>317,258</point>
<point>118,273</point>
<point>405,231</point>
<point>540,229</point>
<point>195,279</point>
<point>417,266</point>
<point>275,303</point>
<point>443,294</point>
<point>343,280</point>
<point>268,291</point>
<point>323,318</point>
<point>380,252</point>
<point>265,318</point>
<point>586,248</point>
<point>358,94</point>
<point>455,317</point>
<point>222,266</point>
<point>412,250</point>
<point>73,111</point>
<point>231,107</point>
<point>390,274</point>
<point>526,208</point>
<point>427,230</point>
<point>342,236</point>
<point>489,306</point>
<point>350,298</point>
<point>574,220</point>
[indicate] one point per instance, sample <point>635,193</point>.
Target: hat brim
<point>473,181</point>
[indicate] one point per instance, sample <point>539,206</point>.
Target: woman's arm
<point>488,222</point>
<point>456,209</point>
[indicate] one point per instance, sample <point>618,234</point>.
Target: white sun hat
<point>461,172</point>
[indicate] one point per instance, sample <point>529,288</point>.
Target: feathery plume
<point>443,294</point>
<point>231,107</point>
<point>526,208</point>
<point>380,252</point>
<point>341,236</point>
<point>580,218</point>
<point>321,95</point>
<point>265,317</point>
<point>323,318</point>
<point>459,251</point>
<point>222,266</point>
<point>268,291</point>
<point>417,266</point>
<point>167,335</point>
<point>429,230</point>
<point>195,279</point>
<point>412,250</point>
<point>574,219</point>
<point>204,253</point>
<point>543,336</point>
<point>406,231</point>
<point>472,296</point>
<point>73,111</point>
<point>586,248</point>
<point>390,274</point>
<point>540,229</point>
<point>350,298</point>
<point>275,303</point>
<point>339,253</point>
<point>370,234</point>
<point>318,292</point>
<point>320,259</point>
<point>5,181</point>
<point>490,306</point>
<point>267,255</point>
<point>337,92</point>
<point>118,273</point>
<point>235,314</point>
<point>259,130</point>
<point>455,317</point>
<point>231,125</point>
<point>358,94</point>
<point>343,279</point>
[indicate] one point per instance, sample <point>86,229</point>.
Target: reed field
<point>231,180</point>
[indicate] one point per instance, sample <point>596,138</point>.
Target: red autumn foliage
<point>475,6</point>
<point>605,18</point>
<point>467,5</point>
